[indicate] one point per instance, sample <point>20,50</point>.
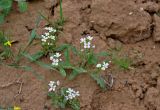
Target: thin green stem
<point>61,13</point>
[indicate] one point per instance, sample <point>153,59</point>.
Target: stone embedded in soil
<point>120,20</point>
<point>150,7</point>
<point>156,33</point>
<point>115,44</point>
<point>152,99</point>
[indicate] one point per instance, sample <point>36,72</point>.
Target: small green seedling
<point>5,47</point>
<point>6,6</point>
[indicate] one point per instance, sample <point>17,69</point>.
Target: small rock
<point>156,33</point>
<point>151,95</point>
<point>151,7</point>
<point>154,75</point>
<point>158,83</point>
<point>114,44</point>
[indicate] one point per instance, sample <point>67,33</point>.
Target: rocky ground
<point>133,25</point>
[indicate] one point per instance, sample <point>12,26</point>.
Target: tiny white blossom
<point>58,83</point>
<point>46,34</point>
<point>55,59</point>
<point>98,65</point>
<point>89,38</point>
<point>57,55</point>
<point>52,85</point>
<point>52,37</point>
<point>71,94</point>
<point>82,40</point>
<point>105,65</point>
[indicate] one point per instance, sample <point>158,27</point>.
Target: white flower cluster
<point>71,94</point>
<point>103,66</point>
<point>52,85</point>
<point>55,59</point>
<point>48,35</point>
<point>87,42</point>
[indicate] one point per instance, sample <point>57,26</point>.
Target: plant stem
<point>61,13</point>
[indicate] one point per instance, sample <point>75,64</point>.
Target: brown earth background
<point>133,25</point>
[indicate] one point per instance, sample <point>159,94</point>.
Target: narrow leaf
<point>32,36</point>
<point>22,6</point>
<point>73,75</point>
<point>62,72</point>
<point>62,47</point>
<point>99,80</point>
<point>37,55</point>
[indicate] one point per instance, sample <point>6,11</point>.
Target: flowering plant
<point>63,97</point>
<point>49,40</point>
<point>5,43</point>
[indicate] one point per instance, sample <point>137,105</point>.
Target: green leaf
<point>38,20</point>
<point>73,75</point>
<point>44,65</point>
<point>75,72</point>
<point>2,16</point>
<point>62,72</point>
<point>79,69</point>
<point>92,59</point>
<point>22,6</point>
<point>37,55</point>
<point>5,4</point>
<point>103,54</point>
<point>62,47</point>
<point>99,80</point>
<point>75,104</point>
<point>74,50</point>
<point>122,62</point>
<point>66,55</point>
<point>32,36</point>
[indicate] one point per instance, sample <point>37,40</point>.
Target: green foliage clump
<point>5,44</point>
<point>6,6</point>
<point>58,99</point>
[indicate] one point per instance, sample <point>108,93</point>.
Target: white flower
<point>57,55</point>
<point>43,40</point>
<point>103,68</point>
<point>50,29</point>
<point>87,45</point>
<point>58,83</point>
<point>82,40</point>
<point>52,37</point>
<point>52,89</point>
<point>89,38</point>
<point>105,65</point>
<point>51,57</point>
<point>98,65</point>
<point>46,34</point>
<point>55,59</point>
<point>54,63</point>
<point>71,94</point>
<point>87,42</point>
<point>52,85</point>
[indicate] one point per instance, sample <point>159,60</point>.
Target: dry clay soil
<point>133,25</point>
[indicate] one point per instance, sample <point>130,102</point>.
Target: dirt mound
<point>115,20</point>
<point>120,19</point>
